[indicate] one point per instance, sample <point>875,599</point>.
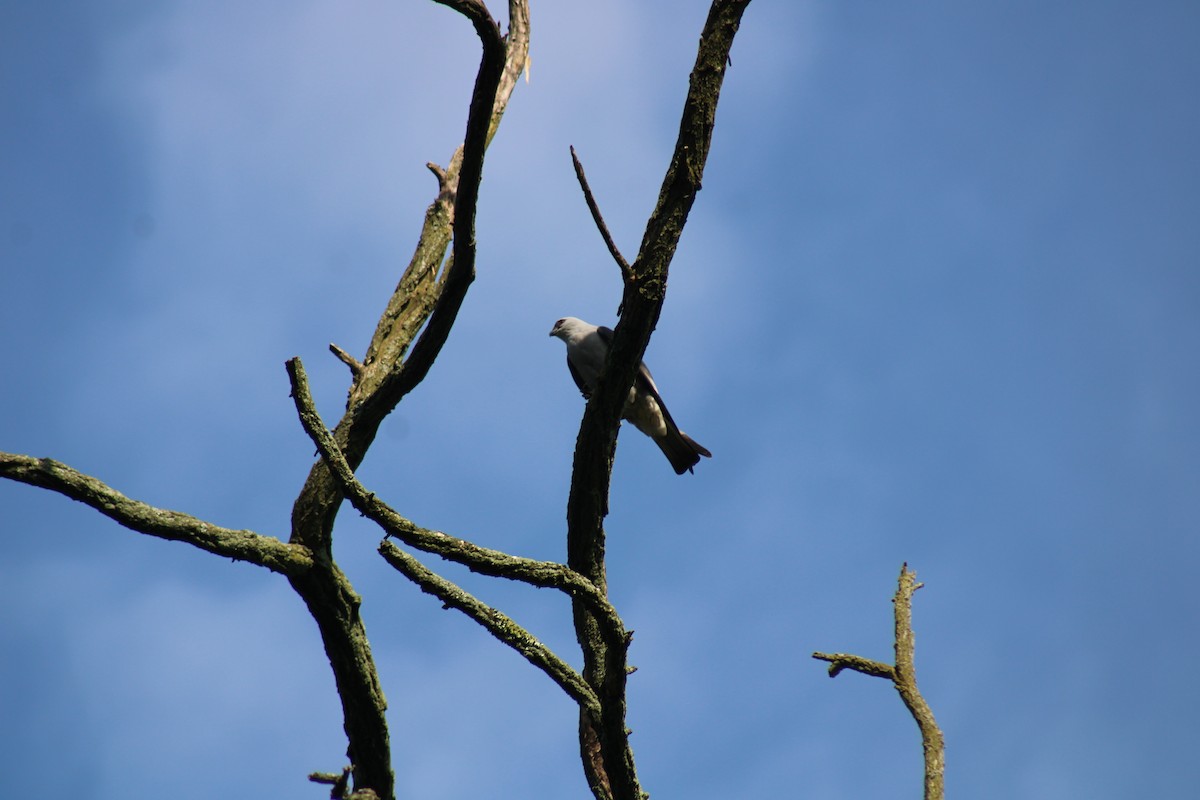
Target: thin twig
<point>841,661</point>
<point>478,559</point>
<point>626,271</point>
<point>350,361</point>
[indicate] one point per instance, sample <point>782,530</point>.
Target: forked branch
<point>607,756</point>
<point>476,558</point>
<point>904,677</point>
<point>502,627</point>
<point>425,296</point>
<point>482,560</point>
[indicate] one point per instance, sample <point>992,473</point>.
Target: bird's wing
<point>583,387</point>
<point>682,450</point>
<point>643,381</point>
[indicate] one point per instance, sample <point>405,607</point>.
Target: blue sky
<point>939,302</point>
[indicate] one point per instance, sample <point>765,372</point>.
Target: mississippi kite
<point>587,346</point>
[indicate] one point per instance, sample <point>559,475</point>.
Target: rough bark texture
<point>933,745</point>
<point>427,297</point>
<point>382,380</point>
<point>604,743</point>
<point>903,676</point>
<point>239,545</point>
<point>421,314</point>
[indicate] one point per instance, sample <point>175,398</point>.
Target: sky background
<point>938,302</point>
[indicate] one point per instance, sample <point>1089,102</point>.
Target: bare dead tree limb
<point>841,661</point>
<point>339,785</point>
<point>904,677</point>
<point>481,560</point>
<point>239,545</point>
<point>493,67</point>
<point>421,313</point>
<point>626,272</point>
<point>607,756</point>
<point>385,376</point>
<point>478,559</point>
<point>496,623</point>
<point>350,361</point>
<point>423,297</point>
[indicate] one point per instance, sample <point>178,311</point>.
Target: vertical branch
<point>604,744</point>
<point>932,742</point>
<point>333,604</point>
<point>904,677</point>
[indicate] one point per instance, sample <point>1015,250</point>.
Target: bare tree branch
<point>385,376</point>
<point>350,361</point>
<point>841,661</point>
<point>421,298</point>
<point>498,624</point>
<point>626,272</point>
<point>421,313</point>
<point>605,666</point>
<point>493,67</point>
<point>932,742</point>
<point>482,560</point>
<point>478,559</point>
<point>240,545</point>
<point>339,785</point>
<point>904,677</point>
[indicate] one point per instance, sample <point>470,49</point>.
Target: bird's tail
<point>681,450</point>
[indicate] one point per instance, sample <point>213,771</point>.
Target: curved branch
<point>516,45</point>
<point>478,559</point>
<point>425,293</point>
<point>498,624</point>
<point>481,560</point>
<point>461,271</point>
<point>240,545</point>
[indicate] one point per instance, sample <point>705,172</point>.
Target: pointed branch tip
<point>626,270</point>
<point>356,367</point>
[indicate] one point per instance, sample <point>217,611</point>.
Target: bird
<point>587,347</point>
